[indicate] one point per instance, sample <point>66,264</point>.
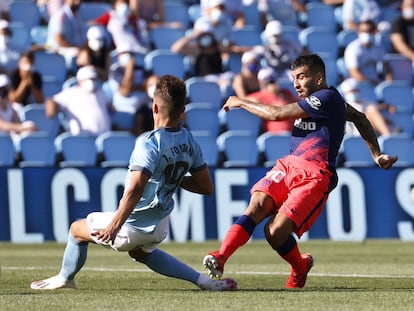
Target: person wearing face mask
<point>9,118</point>
<point>246,82</point>
<point>207,54</point>
<point>402,30</point>
<point>278,52</point>
<point>95,52</point>
<point>234,9</point>
<point>85,106</point>
<point>66,32</point>
<point>26,84</point>
<point>9,55</point>
<point>363,56</point>
<point>124,27</point>
<point>374,112</point>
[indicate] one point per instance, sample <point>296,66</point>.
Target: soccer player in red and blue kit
<point>294,191</point>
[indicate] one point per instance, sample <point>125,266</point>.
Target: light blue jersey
<point>166,155</point>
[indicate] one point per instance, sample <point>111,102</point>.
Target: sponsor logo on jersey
<point>314,102</point>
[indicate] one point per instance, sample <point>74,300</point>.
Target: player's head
<point>170,96</point>
<point>308,73</point>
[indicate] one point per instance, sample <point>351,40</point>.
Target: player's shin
<point>238,235</point>
<point>74,257</point>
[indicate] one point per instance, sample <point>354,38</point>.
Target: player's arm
<point>198,182</point>
<point>368,134</point>
<point>126,205</point>
<point>267,112</point>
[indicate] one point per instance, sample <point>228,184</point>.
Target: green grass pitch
<point>373,275</point>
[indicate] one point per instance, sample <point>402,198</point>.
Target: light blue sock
<point>165,264</point>
<point>74,257</point>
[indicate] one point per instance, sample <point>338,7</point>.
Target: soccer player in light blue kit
<point>158,167</point>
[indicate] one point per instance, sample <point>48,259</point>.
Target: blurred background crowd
<point>89,68</point>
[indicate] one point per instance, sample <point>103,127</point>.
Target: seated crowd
<point>109,77</point>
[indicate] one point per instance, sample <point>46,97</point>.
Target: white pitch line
<point>340,275</point>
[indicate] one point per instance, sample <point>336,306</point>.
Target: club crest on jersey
<point>314,102</point>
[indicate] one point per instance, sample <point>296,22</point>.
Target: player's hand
<point>106,236</point>
<point>232,102</point>
<point>385,161</point>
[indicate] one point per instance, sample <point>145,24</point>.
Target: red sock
<point>294,258</point>
<point>236,236</point>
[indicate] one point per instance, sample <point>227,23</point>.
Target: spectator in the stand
<point>47,8</point>
<point>207,54</point>
<point>9,118</point>
<point>278,51</point>
<point>9,55</point>
<point>363,56</point>
<point>233,7</point>
<point>26,85</point>
<point>5,10</point>
<point>271,94</point>
<point>85,107</point>
<point>65,32</point>
<point>285,11</point>
<point>127,81</point>
<point>402,30</point>
<point>96,52</point>
<point>356,11</point>
<point>374,111</point>
<point>152,12</point>
<point>144,120</point>
<point>246,82</point>
<point>124,27</point>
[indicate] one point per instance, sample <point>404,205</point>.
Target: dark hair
<point>29,55</point>
<point>313,61</point>
<point>172,92</point>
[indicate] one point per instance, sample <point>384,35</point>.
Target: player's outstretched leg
<point>74,258</point>
<point>165,264</point>
<point>238,235</point>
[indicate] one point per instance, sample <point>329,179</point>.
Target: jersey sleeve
<point>144,156</point>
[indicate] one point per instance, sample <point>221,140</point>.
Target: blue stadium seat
<point>20,38</point>
<point>332,73</point>
<point>400,145</point>
<point>246,36</point>
<point>402,120</point>
<point>240,120</point>
<point>36,149</point>
<point>208,145</point>
<point>320,40</point>
<point>273,147</point>
<point>163,61</point>
<point>8,152</point>
<point>397,93</point>
<point>401,67</point>
<point>51,66</point>
<point>25,12</point>
<point>91,10</point>
<point>163,37</point>
<point>123,120</point>
<point>116,148</point>
<point>202,117</point>
<point>252,15</point>
<point>37,114</point>
<point>356,152</point>
<point>200,89</point>
<point>239,149</point>
<point>76,150</point>
<point>233,62</point>
<point>320,15</point>
<point>177,12</point>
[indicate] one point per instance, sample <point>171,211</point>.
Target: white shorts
<point>127,238</point>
